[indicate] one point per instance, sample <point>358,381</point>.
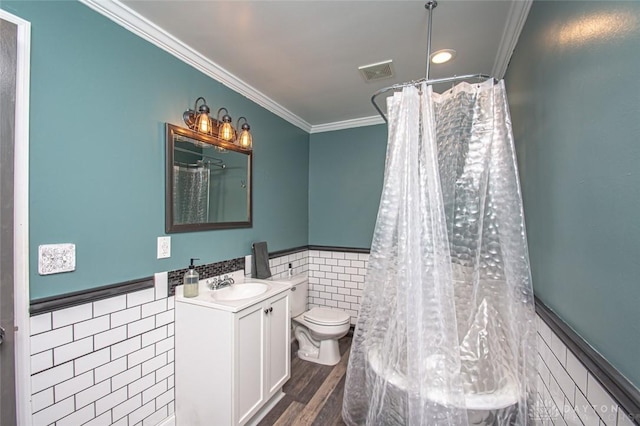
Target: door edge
<point>21,220</point>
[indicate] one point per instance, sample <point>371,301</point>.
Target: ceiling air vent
<point>378,71</point>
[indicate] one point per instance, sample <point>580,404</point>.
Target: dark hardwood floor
<point>313,395</point>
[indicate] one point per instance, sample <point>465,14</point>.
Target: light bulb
<point>226,132</point>
<point>245,139</point>
<point>203,123</point>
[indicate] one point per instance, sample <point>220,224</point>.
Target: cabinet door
<point>278,343</point>
<point>250,356</point>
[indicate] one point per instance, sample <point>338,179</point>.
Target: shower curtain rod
<point>430,5</point>
<point>203,163</point>
<point>202,154</point>
<point>429,83</point>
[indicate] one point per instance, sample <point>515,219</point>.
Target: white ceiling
<point>300,59</point>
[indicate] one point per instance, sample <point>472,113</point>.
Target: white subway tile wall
<point>567,393</point>
<point>336,280</point>
<point>280,265</point>
<point>110,362</point>
<point>106,362</point>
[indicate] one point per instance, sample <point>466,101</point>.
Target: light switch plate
<point>56,258</point>
<point>164,247</point>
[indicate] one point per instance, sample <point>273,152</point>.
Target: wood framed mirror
<point>208,182</point>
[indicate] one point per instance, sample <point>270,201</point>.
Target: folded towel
<point>260,261</point>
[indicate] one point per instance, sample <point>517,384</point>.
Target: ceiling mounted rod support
<point>430,5</point>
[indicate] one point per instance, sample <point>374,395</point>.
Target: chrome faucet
<point>218,282</point>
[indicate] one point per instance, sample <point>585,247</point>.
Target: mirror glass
<point>208,183</point>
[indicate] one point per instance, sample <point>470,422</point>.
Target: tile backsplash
<point>206,271</point>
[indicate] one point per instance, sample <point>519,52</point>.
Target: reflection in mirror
<point>208,183</point>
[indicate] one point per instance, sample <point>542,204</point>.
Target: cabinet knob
<point>266,311</point>
<point>271,309</point>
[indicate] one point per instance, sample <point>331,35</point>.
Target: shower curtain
<point>191,194</point>
<point>445,334</point>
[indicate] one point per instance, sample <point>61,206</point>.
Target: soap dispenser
<point>191,281</point>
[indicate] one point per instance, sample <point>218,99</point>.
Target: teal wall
<point>346,169</point>
<point>575,102</point>
<point>100,96</point>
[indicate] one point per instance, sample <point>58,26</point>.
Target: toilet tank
<point>299,293</point>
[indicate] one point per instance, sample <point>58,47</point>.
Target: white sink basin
<point>240,291</point>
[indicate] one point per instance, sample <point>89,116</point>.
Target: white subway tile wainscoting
<point>568,394</point>
<point>111,361</point>
<point>105,362</point>
<point>279,265</point>
<point>336,280</point>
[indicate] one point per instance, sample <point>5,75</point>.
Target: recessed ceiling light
<point>442,56</point>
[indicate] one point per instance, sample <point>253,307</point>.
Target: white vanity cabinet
<point>263,354</point>
<point>230,365</point>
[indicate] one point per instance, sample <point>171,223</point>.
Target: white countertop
<point>205,296</point>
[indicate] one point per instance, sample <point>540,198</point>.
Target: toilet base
<point>327,354</point>
<point>319,343</point>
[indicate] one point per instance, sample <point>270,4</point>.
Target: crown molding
<point>516,18</point>
<point>347,124</point>
<point>142,27</point>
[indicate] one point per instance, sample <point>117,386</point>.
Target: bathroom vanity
<point>232,352</point>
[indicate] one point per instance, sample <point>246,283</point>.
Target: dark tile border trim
<point>281,253</point>
<point>54,303</point>
<point>344,249</point>
<point>618,386</point>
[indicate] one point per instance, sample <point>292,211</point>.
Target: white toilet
<point>318,329</point>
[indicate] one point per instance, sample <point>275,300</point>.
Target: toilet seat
<point>324,316</point>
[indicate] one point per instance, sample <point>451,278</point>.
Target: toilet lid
<point>324,316</point>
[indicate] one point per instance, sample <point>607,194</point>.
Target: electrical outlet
<point>164,247</point>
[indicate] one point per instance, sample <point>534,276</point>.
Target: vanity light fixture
<point>226,131</point>
<point>442,56</point>
<point>198,118</point>
<point>245,139</point>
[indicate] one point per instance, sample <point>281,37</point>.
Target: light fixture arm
<point>225,118</point>
<point>430,5</point>
<point>245,125</point>
<point>190,115</point>
<point>195,105</point>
